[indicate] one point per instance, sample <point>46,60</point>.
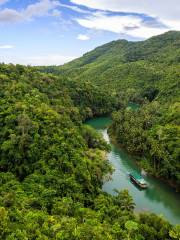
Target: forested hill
<point>122,65</point>
<point>52,166</point>
<point>146,72</point>
<point>166,45</point>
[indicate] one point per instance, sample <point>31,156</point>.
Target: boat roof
<point>137,176</point>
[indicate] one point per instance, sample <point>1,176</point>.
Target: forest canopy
<point>52,165</point>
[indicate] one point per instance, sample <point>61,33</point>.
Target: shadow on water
<point>158,198</point>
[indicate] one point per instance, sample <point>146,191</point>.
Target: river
<point>158,198</point>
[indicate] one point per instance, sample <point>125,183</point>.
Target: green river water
<point>158,198</point>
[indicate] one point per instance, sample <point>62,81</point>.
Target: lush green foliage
<point>148,73</point>
<point>52,166</point>
<point>148,134</point>
<point>136,69</point>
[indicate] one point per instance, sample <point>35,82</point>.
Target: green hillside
<point>122,64</point>
<point>122,51</point>
<point>146,72</point>
<point>52,166</point>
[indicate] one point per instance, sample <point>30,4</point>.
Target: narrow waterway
<point>158,198</point>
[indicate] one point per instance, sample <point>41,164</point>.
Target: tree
<point>175,232</point>
<point>131,227</point>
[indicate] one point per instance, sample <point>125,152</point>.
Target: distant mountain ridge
<point>130,51</point>
<point>120,65</point>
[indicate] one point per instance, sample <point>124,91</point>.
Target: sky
<point>53,32</point>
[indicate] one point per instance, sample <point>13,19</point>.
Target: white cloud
<point>130,24</point>
<point>146,32</point>
<point>3,1</point>
<point>173,24</point>
<point>43,60</point>
<point>161,8</point>
<point>6,46</point>
<point>115,24</point>
<point>38,9</point>
<point>10,15</point>
<point>166,11</point>
<point>83,37</point>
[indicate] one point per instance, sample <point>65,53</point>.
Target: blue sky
<point>52,32</point>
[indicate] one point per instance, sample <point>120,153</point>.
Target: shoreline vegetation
<point>140,164</point>
<point>145,72</point>
<point>149,139</point>
<point>51,164</point>
<point>52,169</point>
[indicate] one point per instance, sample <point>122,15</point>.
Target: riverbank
<point>158,198</point>
<point>143,165</point>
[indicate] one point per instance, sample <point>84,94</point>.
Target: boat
<point>139,180</point>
